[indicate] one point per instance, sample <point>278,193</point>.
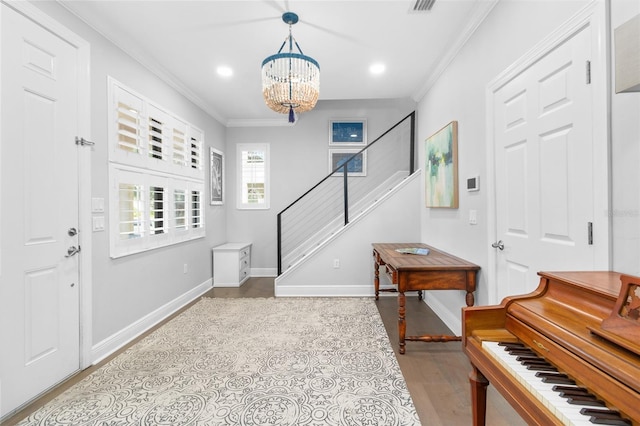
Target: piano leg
<point>478,396</point>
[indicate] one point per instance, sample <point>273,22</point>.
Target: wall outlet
<point>336,263</point>
<point>185,268</point>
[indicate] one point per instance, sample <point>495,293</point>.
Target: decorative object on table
<point>413,250</point>
<point>348,132</point>
<point>355,159</point>
<point>216,177</point>
<point>441,168</point>
<point>290,81</point>
<point>276,361</point>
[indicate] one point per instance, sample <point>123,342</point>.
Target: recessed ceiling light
<point>377,68</point>
<point>224,71</point>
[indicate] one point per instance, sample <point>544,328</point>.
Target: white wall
<point>299,160</point>
<point>128,289</point>
<point>625,154</point>
<point>509,31</point>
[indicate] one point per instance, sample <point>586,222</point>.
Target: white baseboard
<point>117,340</point>
<point>325,291</point>
<point>264,272</point>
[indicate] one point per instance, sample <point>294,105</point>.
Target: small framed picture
<point>348,132</point>
<point>355,159</point>
<point>216,182</point>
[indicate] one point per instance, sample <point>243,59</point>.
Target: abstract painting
<point>441,168</point>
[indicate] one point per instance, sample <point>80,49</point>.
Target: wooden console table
<point>412,272</point>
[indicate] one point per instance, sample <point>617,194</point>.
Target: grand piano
<point>561,355</point>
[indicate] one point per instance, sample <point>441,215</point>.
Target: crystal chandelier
<point>290,81</point>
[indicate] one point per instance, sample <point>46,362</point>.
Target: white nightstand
<point>231,264</point>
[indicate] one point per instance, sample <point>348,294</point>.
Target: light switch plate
<point>97,205</point>
<point>98,223</point>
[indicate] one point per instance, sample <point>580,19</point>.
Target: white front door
<point>39,279</point>
<point>544,168</point>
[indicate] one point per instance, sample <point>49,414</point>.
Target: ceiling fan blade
<point>340,35</point>
<point>227,24</point>
<point>275,5</point>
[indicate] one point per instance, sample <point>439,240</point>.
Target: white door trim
<point>595,15</point>
<point>84,166</point>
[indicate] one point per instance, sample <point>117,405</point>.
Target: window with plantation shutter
<point>253,176</point>
<point>156,175</point>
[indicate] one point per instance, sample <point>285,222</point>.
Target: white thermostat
<point>473,183</point>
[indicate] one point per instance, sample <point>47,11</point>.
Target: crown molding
<point>479,14</point>
<point>152,65</point>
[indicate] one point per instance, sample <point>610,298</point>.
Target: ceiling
<point>185,42</point>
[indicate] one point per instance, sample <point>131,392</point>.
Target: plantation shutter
<point>158,143</point>
<point>196,209</point>
<point>179,143</point>
<point>157,210</point>
<point>131,208</point>
<point>179,209</point>
<point>195,141</point>
<point>129,121</point>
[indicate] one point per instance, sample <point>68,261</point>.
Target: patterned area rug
<point>291,361</point>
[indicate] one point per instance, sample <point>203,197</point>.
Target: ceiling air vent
<point>423,5</point>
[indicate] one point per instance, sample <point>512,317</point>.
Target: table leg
<point>402,325</point>
<point>470,299</point>
<point>471,286</point>
<point>376,278</point>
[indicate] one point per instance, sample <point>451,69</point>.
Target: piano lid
<point>569,306</point>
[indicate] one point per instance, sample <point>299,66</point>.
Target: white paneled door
<point>544,167</point>
<point>39,287</point>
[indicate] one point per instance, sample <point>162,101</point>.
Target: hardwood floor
<point>435,373</point>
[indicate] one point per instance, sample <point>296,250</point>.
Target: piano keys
<point>539,352</point>
<point>555,390</point>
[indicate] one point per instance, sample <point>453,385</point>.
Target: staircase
<point>331,210</point>
<point>337,223</point>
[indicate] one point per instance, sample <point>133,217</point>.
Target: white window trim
<point>267,164</point>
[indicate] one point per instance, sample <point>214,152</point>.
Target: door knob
<point>72,232</point>
<point>499,245</point>
<point>72,251</point>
